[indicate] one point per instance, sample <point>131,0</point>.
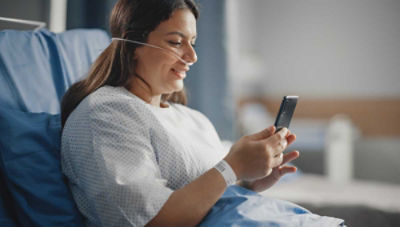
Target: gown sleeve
<point>125,186</point>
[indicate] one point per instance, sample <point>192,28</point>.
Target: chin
<point>177,86</point>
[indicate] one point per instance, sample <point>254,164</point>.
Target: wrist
<point>227,172</point>
<point>251,185</point>
<point>235,167</point>
<point>244,184</point>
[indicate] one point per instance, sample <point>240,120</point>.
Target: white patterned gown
<point>124,157</point>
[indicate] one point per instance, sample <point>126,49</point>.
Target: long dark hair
<point>134,20</point>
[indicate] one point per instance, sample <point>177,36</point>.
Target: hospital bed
<point>36,68</point>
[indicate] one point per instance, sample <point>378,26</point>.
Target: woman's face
<point>162,71</point>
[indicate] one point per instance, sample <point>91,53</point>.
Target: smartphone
<point>286,112</point>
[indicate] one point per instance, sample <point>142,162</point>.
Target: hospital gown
<point>124,157</point>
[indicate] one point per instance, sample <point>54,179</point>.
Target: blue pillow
<point>5,217</point>
<point>30,163</point>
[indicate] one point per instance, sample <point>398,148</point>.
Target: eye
<point>174,43</point>
<point>193,45</point>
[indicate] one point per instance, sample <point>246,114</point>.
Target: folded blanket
<point>241,207</point>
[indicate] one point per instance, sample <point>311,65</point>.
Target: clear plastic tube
<point>170,52</point>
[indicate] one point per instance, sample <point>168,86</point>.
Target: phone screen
<point>286,112</point>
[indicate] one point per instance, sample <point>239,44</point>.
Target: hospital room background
<point>342,58</point>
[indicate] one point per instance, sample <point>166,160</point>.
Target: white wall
<point>36,10</point>
<point>29,10</point>
<point>317,48</point>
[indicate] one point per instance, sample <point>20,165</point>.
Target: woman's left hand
<point>267,182</point>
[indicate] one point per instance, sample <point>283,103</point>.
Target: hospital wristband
<point>227,172</point>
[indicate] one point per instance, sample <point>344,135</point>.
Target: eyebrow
<point>180,34</point>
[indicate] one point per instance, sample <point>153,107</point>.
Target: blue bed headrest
<point>37,67</point>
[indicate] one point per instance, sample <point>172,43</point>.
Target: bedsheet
<point>241,207</point>
<point>318,190</point>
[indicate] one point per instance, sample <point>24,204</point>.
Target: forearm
<point>190,204</point>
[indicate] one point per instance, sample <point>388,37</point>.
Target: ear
<point>136,54</point>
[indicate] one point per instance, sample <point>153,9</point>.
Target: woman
<point>133,153</point>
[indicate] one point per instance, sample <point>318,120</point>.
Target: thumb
<point>263,134</point>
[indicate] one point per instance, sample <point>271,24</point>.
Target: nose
<point>190,55</point>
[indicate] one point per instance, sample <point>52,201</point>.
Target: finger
<point>286,169</point>
<point>278,147</point>
<point>281,135</point>
<point>284,132</point>
<point>288,133</point>
<point>291,138</point>
<point>278,141</point>
<point>290,157</point>
<point>263,134</point>
<point>277,161</point>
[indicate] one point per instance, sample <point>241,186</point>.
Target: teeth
<point>181,73</point>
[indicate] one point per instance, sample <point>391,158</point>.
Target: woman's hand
<point>267,182</point>
<point>255,156</point>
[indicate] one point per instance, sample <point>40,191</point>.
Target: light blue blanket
<point>241,207</point>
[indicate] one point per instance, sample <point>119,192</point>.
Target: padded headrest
<point>37,67</point>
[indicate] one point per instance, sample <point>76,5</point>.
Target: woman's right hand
<point>254,156</point>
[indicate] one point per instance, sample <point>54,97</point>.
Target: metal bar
<point>39,24</point>
<point>58,15</point>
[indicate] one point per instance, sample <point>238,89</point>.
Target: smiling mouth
<point>181,74</point>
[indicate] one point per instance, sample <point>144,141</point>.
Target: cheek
<point>164,66</point>
<point>151,64</point>
<point>155,66</point>
<point>161,61</point>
